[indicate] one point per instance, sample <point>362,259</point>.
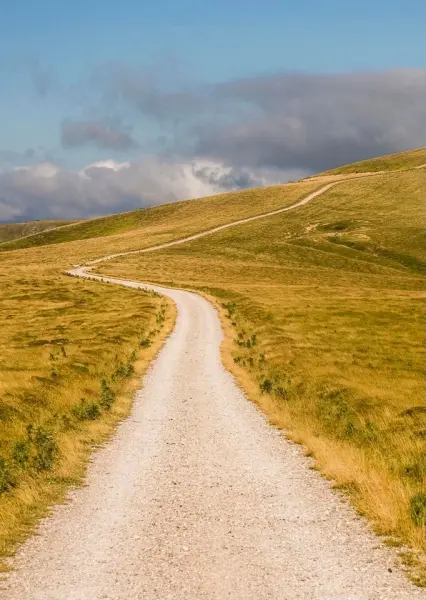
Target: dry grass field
<point>61,337</point>
<point>391,162</point>
<point>322,310</point>
<point>146,227</point>
<point>72,353</point>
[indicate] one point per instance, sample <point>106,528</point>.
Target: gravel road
<point>196,497</point>
<point>195,236</point>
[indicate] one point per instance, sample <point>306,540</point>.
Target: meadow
<point>68,347</point>
<point>391,162</point>
<point>322,310</point>
<point>142,228</point>
<point>72,353</point>
<point>323,313</point>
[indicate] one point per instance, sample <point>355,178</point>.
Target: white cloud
<point>43,170</point>
<point>47,191</point>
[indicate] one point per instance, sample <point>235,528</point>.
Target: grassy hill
<point>159,222</point>
<point>13,231</point>
<point>322,310</point>
<point>391,162</point>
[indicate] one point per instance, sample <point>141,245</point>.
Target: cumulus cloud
<point>286,120</point>
<point>46,191</point>
<point>81,133</point>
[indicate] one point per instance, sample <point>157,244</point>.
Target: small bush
<point>46,449</point>
<point>123,371</point>
<point>107,395</point>
<point>130,369</point>
<point>21,454</point>
<point>86,411</point>
<point>266,386</point>
<point>230,307</point>
<point>5,476</point>
<point>418,509</point>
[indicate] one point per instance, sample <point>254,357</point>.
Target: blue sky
<point>52,51</point>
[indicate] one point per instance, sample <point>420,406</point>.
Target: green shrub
<point>5,476</point>
<point>21,454</point>
<point>230,307</point>
<point>107,395</point>
<point>266,386</point>
<point>46,449</point>
<point>418,509</point>
<point>123,371</point>
<point>86,411</point>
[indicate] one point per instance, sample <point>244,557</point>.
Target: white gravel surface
<point>197,497</point>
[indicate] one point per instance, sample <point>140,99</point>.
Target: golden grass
<point>391,162</point>
<point>60,338</point>
<point>159,224</point>
<point>333,293</point>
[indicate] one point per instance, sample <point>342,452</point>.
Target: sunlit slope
<point>141,228</point>
<point>391,162</point>
<point>332,293</point>
<point>12,231</point>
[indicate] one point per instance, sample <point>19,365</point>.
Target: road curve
<point>197,498</point>
<point>301,202</point>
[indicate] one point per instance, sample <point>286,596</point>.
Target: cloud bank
<point>241,133</point>
<point>46,191</point>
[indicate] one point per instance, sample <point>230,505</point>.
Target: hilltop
<point>391,162</point>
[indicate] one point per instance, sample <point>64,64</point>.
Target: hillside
<point>322,310</point>
<point>391,162</point>
<point>324,330</point>
<point>13,231</point>
<point>160,223</point>
<point>203,212</point>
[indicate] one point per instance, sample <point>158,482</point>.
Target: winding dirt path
<point>197,498</point>
<point>302,202</point>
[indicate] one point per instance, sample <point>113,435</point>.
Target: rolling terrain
<point>411,159</point>
<point>321,308</point>
<point>140,228</point>
<point>13,231</point>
